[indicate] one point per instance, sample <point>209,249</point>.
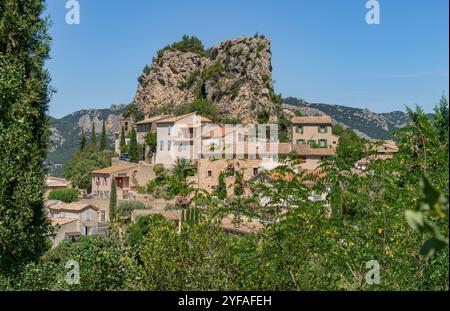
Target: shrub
<point>68,195</point>
<point>126,207</point>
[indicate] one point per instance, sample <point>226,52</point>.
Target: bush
<point>68,195</point>
<point>125,208</point>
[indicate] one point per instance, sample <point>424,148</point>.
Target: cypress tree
<point>113,201</point>
<point>103,138</point>
<point>24,134</point>
<point>82,140</point>
<point>221,190</point>
<point>93,135</point>
<point>134,148</point>
<point>123,143</point>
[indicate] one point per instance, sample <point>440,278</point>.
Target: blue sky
<point>322,50</point>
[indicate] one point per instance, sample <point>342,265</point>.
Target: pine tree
<point>113,201</point>
<point>123,142</point>
<point>82,140</point>
<point>134,151</point>
<point>103,138</point>
<point>93,135</point>
<point>24,134</point>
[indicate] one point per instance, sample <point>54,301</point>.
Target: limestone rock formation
<point>236,75</point>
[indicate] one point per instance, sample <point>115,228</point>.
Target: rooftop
<point>312,120</point>
<point>74,206</point>
<point>115,168</point>
<point>59,221</point>
<point>152,119</point>
<point>173,119</point>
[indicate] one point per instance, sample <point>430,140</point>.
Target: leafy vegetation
<point>187,44</point>
<point>24,132</point>
<point>78,169</point>
<point>68,195</point>
<point>203,107</point>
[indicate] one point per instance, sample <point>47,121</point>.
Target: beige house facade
<point>128,177</point>
<point>73,220</point>
<point>178,138</point>
<point>315,131</point>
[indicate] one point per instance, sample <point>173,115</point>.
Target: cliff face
<point>236,75</point>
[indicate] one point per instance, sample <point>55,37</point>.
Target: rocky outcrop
<point>236,75</point>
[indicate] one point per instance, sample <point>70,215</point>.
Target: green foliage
<point>24,134</point>
<point>123,142</point>
<point>132,111</point>
<point>169,184</point>
<point>82,140</point>
<point>68,195</point>
<point>126,207</point>
<point>221,190</point>
<point>190,80</point>
<point>187,44</point>
<point>113,201</point>
<point>351,147</point>
<point>151,141</point>
<point>203,107</point>
<point>78,169</point>
<point>103,138</point>
<point>133,150</point>
<point>262,116</point>
<point>93,136</point>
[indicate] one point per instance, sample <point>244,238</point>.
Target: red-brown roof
<point>312,120</point>
<point>152,119</point>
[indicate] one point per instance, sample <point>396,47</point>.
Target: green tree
<point>151,142</point>
<point>103,138</point>
<point>123,142</point>
<point>68,195</point>
<point>134,150</point>
<point>24,97</point>
<point>113,201</point>
<point>82,140</point>
<point>79,167</point>
<point>93,135</point>
<point>203,107</point>
<point>221,190</point>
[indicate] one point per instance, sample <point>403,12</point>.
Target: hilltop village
<point>224,159</point>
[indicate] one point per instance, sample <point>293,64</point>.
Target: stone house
<point>178,138</point>
<point>315,131</point>
<point>73,220</point>
<point>128,176</point>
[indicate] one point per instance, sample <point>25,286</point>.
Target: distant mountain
<point>366,123</point>
<point>66,131</point>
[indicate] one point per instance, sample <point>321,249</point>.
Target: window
<point>209,173</point>
<point>88,215</point>
<point>169,130</point>
<point>255,171</point>
<point>102,216</point>
<point>169,145</point>
<point>299,129</point>
<point>126,126</point>
<point>322,129</point>
<point>300,141</point>
<point>322,142</point>
<point>161,145</point>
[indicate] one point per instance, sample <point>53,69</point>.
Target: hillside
<point>65,132</point>
<point>367,123</point>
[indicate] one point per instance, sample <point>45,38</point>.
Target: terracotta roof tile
<point>115,168</point>
<point>312,120</point>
